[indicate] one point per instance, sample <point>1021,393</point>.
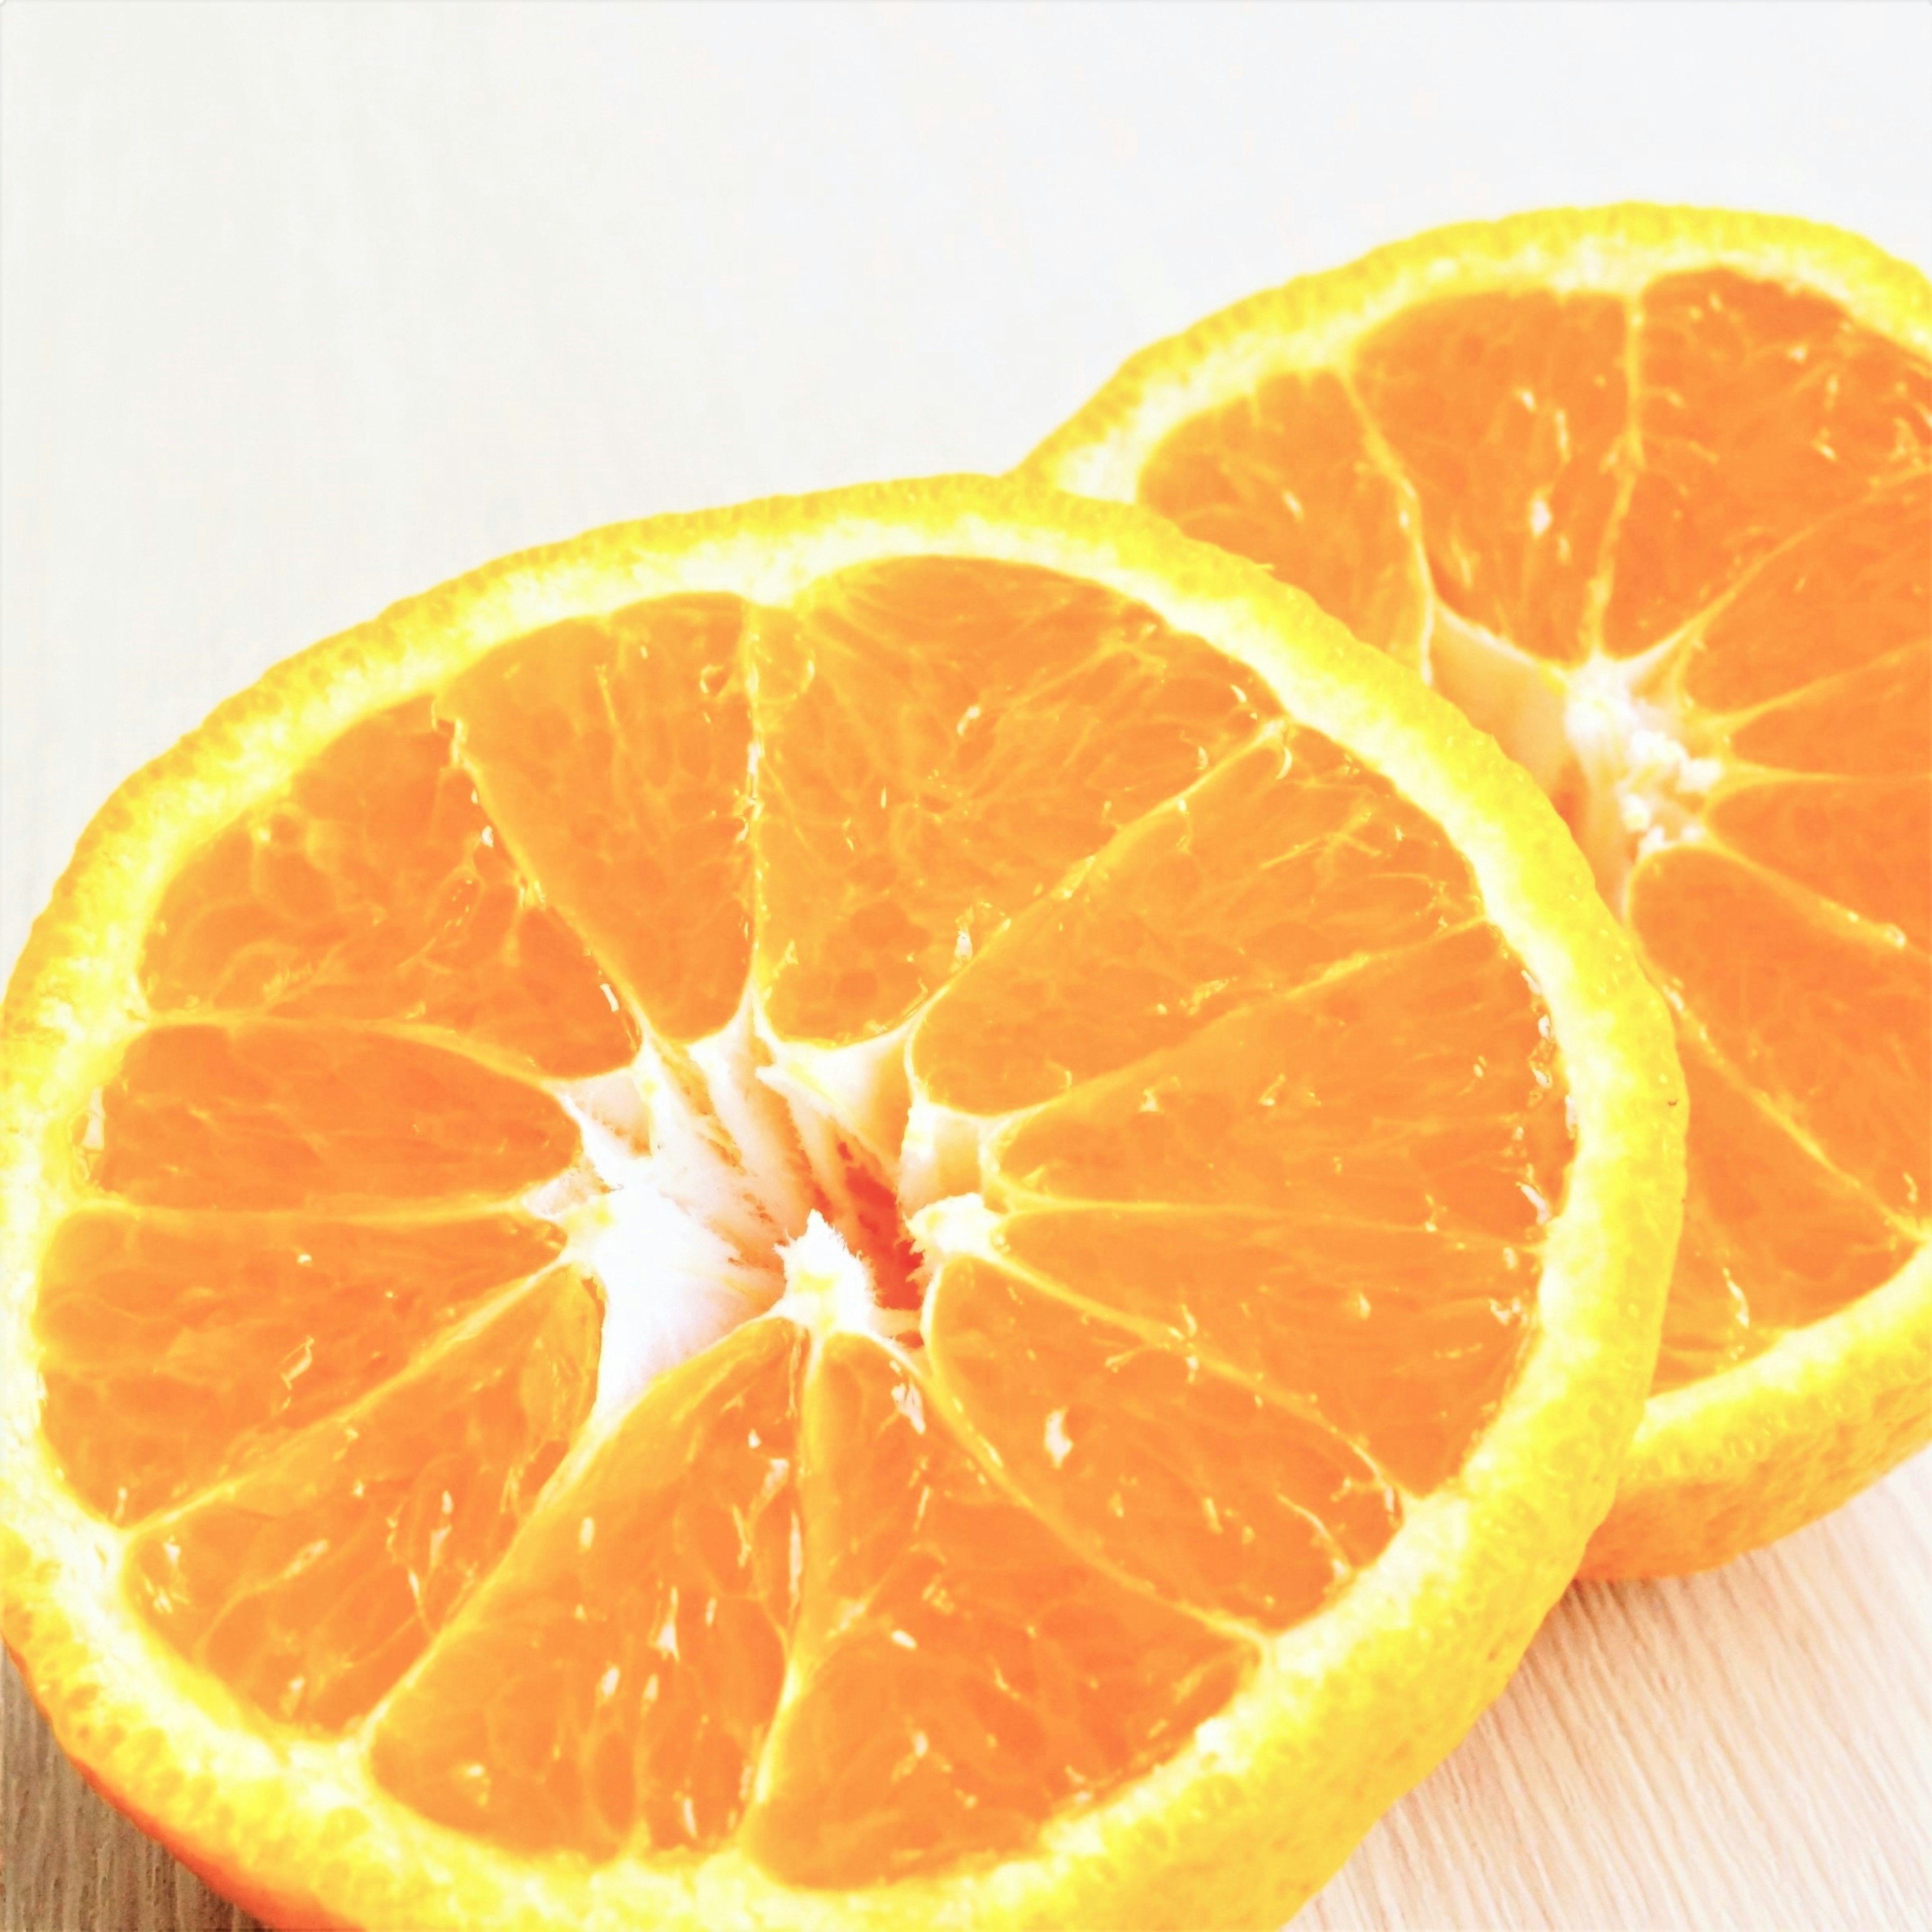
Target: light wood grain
<point>305,308</point>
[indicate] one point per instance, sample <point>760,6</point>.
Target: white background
<point>303,308</point>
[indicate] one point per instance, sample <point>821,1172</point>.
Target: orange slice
<point>898,1209</point>
<point>1648,493</point>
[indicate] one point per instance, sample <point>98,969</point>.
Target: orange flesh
<point>615,757</point>
<point>1343,528</point>
<point>1680,548</point>
<point>962,1671</point>
<point>1507,414</point>
<point>309,1583</point>
<point>1760,411</point>
<point>1031,717</point>
<point>1402,1340</point>
<point>376,889</point>
<point>158,1331</point>
<point>636,1642</point>
<point>258,1115</point>
<point>1189,1482</point>
<point>1288,863</point>
<point>373,1326</point>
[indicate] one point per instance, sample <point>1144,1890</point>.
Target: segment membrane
<point>176,1352</point>
<point>615,752</point>
<point>1865,844</point>
<point>960,1674</point>
<point>1833,1026</point>
<point>1452,1122</point>
<point>1773,1237</point>
<point>310,1585</point>
<point>1761,410</point>
<point>1212,1493</point>
<point>1289,860</point>
<point>1404,1339</point>
<point>374,888</point>
<point>942,740</point>
<point>1872,722</point>
<point>1508,412</point>
<point>1856,588</point>
<point>614,1681</point>
<point>266,1116</point>
<point>1289,476</point>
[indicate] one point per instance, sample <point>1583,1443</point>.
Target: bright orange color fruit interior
<point>1679,552</point>
<point>423,1322</point>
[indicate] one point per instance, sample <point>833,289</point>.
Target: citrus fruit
<point>1648,493</point>
<point>907,1207</point>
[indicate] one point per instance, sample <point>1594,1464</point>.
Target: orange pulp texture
<point>1707,510</point>
<point>1271,1120</point>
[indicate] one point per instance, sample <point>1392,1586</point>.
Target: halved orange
<point>912,1207</point>
<point>1648,492</point>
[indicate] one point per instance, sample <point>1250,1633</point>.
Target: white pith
<point>1605,738</point>
<point>715,1186</point>
<point>828,1289</point>
<point>716,1182</point>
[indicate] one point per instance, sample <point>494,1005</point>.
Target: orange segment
<point>1404,1338</point>
<point>1213,1493</point>
<point>1031,716</point>
<point>1871,722</point>
<point>615,754</point>
<point>272,1116</point>
<point>1507,413</point>
<point>1290,476</point>
<point>175,1352</point>
<point>1455,1123</point>
<point>1288,860</point>
<point>616,1677</point>
<point>1760,410</point>
<point>1853,589</point>
<point>1833,1026</point>
<point>1774,1238</point>
<point>374,888</point>
<point>968,1673</point>
<point>1865,845</point>
<point>308,1586</point>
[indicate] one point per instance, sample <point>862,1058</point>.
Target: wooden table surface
<point>303,308</point>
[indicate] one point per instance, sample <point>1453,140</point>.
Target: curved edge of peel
<point>1256,1812</point>
<point>1726,1465</point>
<point>1314,319</point>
